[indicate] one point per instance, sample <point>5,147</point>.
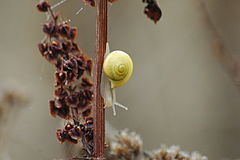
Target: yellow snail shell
<point>118,67</point>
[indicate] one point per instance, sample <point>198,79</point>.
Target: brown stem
<point>98,108</point>
<point>219,48</point>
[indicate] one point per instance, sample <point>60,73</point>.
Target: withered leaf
<point>152,10</point>
<point>43,6</point>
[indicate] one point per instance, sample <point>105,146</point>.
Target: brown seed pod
<point>86,82</point>
<point>43,6</point>
<point>50,29</point>
<point>63,29</point>
<point>72,34</point>
<point>43,48</point>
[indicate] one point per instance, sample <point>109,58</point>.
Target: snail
<point>117,70</point>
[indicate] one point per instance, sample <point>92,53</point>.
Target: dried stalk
<point>224,56</point>
<point>98,108</point>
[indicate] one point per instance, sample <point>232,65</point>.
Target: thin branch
<point>98,108</point>
<point>219,48</point>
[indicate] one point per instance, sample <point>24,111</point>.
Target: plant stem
<point>98,108</point>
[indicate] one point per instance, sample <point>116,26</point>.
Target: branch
<point>98,108</point>
<point>219,48</point>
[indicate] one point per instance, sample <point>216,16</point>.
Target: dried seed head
<point>76,133</point>
<point>60,136</point>
<point>87,112</point>
<point>50,57</point>
<point>72,34</point>
<point>63,29</point>
<point>60,93</point>
<point>60,78</point>
<point>55,47</point>
<point>59,103</point>
<point>72,100</point>
<point>71,77</point>
<point>63,136</point>
<point>50,29</point>
<point>75,47</point>
<point>86,82</point>
<point>43,6</point>
<point>62,111</point>
<point>68,126</point>
<point>43,47</point>
<point>89,122</point>
<point>89,66</point>
<point>58,64</point>
<point>85,97</point>
<point>53,109</point>
<point>152,10</point>
<point>70,65</point>
<point>88,94</point>
<point>80,72</point>
<point>66,46</point>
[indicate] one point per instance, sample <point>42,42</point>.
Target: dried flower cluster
<point>126,145</point>
<point>129,146</point>
<point>73,93</point>
<point>174,153</point>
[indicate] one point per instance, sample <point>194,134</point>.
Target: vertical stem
<point>98,108</point>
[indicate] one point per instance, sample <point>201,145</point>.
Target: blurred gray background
<point>184,89</point>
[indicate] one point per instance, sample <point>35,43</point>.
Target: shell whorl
<point>118,67</point>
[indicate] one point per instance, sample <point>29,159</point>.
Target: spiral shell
<point>118,67</point>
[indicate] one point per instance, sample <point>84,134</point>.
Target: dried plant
<point>152,10</point>
<point>128,146</point>
<point>174,153</point>
<point>73,93</point>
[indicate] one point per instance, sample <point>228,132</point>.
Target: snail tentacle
<point>121,106</point>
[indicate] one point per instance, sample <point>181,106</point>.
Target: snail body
<point>117,68</point>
